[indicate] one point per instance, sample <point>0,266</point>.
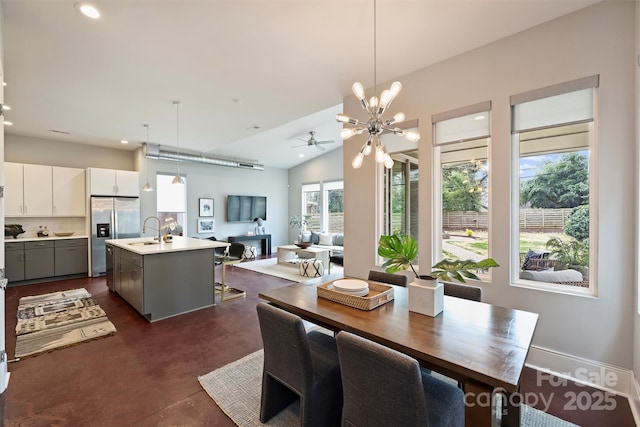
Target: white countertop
<point>9,239</point>
<point>178,244</point>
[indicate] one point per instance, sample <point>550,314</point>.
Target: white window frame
<point>577,85</point>
<point>446,132</point>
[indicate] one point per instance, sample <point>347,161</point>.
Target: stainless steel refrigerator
<point>111,218</point>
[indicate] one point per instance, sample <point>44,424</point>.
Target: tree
<point>462,187</point>
<point>563,183</point>
<point>577,225</point>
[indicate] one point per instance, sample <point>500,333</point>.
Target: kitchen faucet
<point>144,227</point>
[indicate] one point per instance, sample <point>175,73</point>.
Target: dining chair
<point>298,365</point>
<point>472,293</point>
<point>384,387</point>
<point>384,277</point>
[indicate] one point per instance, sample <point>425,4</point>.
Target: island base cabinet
<point>162,285</point>
<point>131,279</point>
<point>178,282</point>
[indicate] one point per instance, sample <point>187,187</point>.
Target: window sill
<point>589,292</point>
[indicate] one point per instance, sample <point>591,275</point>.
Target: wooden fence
<point>530,219</point>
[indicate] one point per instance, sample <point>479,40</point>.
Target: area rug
<point>287,271</point>
<point>236,389</point>
<point>60,319</point>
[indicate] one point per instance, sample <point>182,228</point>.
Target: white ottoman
<point>311,267</point>
<point>249,252</point>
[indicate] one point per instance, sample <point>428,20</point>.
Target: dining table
<point>482,346</point>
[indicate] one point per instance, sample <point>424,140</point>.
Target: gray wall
<point>596,40</point>
<point>24,149</point>
<point>218,182</point>
<point>325,168</point>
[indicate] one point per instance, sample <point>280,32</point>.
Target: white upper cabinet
<point>110,182</point>
<point>13,191</point>
<point>38,194</point>
<point>69,193</point>
<point>40,190</point>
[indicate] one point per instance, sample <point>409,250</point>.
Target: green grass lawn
<point>479,244</point>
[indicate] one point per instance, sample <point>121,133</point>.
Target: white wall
<point>596,40</point>
<point>325,168</point>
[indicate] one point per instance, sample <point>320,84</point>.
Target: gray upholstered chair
<point>298,365</point>
<point>384,277</point>
<point>473,293</point>
<point>383,387</point>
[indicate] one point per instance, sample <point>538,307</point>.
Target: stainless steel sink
<point>145,243</point>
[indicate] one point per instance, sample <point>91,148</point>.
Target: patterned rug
<point>236,389</point>
<point>60,319</point>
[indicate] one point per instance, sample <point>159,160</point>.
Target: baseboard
<point>583,371</point>
<point>634,400</point>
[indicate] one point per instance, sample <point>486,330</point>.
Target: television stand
<point>264,238</point>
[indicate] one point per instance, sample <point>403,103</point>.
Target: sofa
<point>332,241</point>
<point>537,266</point>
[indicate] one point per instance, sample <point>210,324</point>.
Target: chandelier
<point>375,125</point>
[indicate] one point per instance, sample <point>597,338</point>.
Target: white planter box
<point>426,297</point>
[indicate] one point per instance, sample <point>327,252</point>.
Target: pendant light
<point>375,124</point>
<point>177,179</point>
<point>147,185</point>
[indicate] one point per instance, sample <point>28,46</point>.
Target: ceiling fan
<point>312,142</point>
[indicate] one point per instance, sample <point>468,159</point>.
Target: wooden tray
<point>378,295</point>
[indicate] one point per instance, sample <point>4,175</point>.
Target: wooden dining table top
<point>468,341</point>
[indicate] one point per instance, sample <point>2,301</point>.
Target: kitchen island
<point>160,279</point>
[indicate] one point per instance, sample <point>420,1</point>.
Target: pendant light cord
<point>375,48</point>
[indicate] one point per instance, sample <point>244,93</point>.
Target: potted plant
<point>426,293</point>
<point>301,223</point>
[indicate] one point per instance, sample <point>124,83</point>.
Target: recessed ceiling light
<point>478,117</point>
<point>124,141</point>
<point>300,155</point>
<point>7,123</point>
<point>6,107</point>
<point>88,10</point>
<point>253,127</point>
<point>4,83</point>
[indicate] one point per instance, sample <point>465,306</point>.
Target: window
<point>324,213</point>
<point>552,137</point>
<point>333,207</point>
<point>311,205</point>
<point>172,205</point>
<point>462,183</point>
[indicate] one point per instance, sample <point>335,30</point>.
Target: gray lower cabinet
<point>14,261</point>
<point>42,259</point>
<point>71,257</point>
<point>131,278</point>
<point>39,260</point>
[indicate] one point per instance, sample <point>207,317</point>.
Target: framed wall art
<point>205,225</point>
<point>206,207</point>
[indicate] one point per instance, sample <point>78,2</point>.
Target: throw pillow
<point>529,256</point>
<point>338,239</point>
<point>315,237</point>
<point>305,237</point>
<point>326,239</point>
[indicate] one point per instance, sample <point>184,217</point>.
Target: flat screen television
<point>246,208</point>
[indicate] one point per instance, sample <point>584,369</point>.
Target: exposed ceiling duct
<point>153,151</point>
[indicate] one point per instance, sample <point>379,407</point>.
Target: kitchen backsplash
<point>31,225</point>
